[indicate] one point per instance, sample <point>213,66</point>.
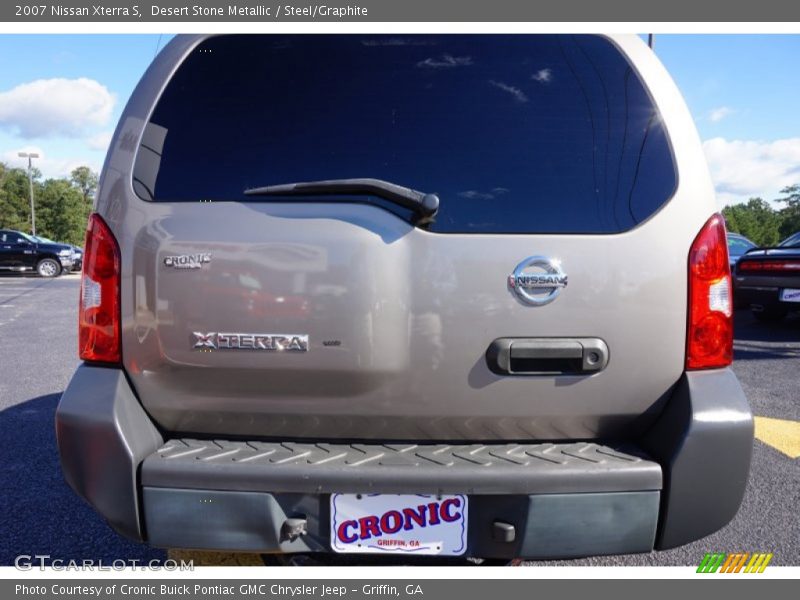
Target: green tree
<point>15,212</point>
<point>756,220</point>
<point>790,214</point>
<point>60,212</point>
<point>62,205</point>
<point>85,180</point>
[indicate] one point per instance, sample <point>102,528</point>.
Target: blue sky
<point>115,62</point>
<point>62,95</point>
<point>755,76</point>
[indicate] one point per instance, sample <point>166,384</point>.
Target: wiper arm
<point>423,205</point>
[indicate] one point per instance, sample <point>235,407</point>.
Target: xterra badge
<point>538,280</point>
<point>269,342</point>
<point>187,261</point>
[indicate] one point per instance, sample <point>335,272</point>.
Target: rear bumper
<point>560,499</point>
<point>563,500</point>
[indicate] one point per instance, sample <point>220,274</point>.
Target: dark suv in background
<point>22,252</point>
<point>77,251</point>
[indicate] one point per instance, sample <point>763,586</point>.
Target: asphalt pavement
<point>38,354</point>
<point>41,515</point>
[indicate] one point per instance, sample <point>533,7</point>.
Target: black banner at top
<point>72,11</point>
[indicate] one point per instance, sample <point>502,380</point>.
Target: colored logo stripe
<point>734,563</point>
<point>758,563</point>
<point>711,562</point>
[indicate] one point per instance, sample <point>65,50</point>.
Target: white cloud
<point>742,169</point>
<point>478,195</point>
<point>47,107</point>
<point>446,62</point>
<point>517,93</point>
<point>716,115</point>
<point>99,141</point>
<point>543,76</point>
<point>396,42</point>
<point>50,167</point>
<point>12,158</point>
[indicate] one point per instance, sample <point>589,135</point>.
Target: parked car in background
<point>77,251</point>
<point>738,245</point>
<point>22,252</point>
<point>77,258</point>
<point>768,280</point>
<point>793,241</point>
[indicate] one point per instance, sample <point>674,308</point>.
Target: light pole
<point>29,156</point>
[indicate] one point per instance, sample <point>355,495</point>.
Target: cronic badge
<point>187,261</point>
<point>538,280</point>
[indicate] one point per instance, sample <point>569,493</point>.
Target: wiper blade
<point>423,205</point>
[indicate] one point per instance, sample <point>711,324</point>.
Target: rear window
<point>792,241</point>
<point>515,133</point>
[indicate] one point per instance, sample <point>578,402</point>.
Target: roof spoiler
<point>770,248</point>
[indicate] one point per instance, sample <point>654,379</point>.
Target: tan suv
<point>429,294</point>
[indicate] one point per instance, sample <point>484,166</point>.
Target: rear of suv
<point>426,294</point>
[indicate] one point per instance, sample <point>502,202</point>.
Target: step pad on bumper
<point>544,468</point>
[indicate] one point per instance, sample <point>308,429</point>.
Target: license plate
<point>790,295</point>
<point>399,524</point>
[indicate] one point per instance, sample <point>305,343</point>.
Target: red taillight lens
<point>767,266</point>
<point>709,338</point>
<point>99,317</point>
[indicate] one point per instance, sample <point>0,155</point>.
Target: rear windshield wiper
<point>421,204</point>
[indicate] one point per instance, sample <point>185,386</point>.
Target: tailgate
<point>398,322</point>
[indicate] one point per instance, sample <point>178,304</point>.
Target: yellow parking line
<point>781,434</point>
<point>216,559</point>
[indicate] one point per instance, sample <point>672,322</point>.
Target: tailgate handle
<point>547,356</point>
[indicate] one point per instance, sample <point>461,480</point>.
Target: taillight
<point>763,266</point>
<point>709,338</point>
<point>99,317</point>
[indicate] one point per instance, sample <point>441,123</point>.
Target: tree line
<point>62,205</point>
<point>764,225</point>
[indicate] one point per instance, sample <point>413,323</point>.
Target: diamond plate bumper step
<point>399,468</point>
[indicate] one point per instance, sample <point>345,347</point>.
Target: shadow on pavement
<point>754,340</point>
<point>41,514</point>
